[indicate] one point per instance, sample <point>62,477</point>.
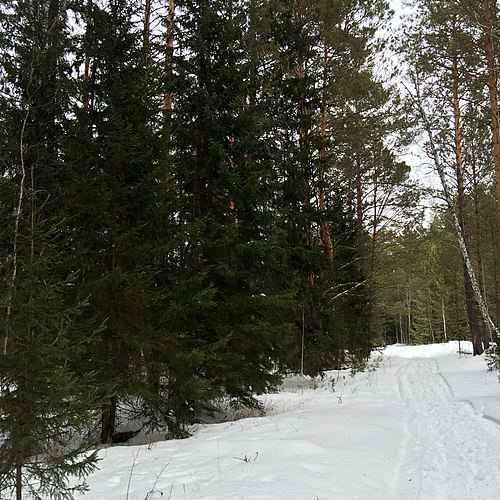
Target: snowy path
<point>450,452</point>
<point>423,426</point>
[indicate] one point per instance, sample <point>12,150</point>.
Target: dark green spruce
<point>46,402</point>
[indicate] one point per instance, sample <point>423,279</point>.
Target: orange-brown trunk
<point>470,302</point>
<point>489,47</point>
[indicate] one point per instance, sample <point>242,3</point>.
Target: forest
<point>198,197</point>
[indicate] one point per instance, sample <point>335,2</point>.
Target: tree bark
<point>197,168</point>
<point>169,67</point>
<point>325,230</point>
<point>108,421</point>
<point>19,481</point>
<point>87,63</point>
<point>169,59</point>
<point>479,240</point>
<point>146,31</point>
<point>475,330</point>
<point>111,350</point>
<point>17,220</point>
<point>489,50</point>
<point>443,314</point>
<point>303,176</point>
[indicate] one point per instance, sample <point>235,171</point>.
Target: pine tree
<point>317,47</point>
<point>444,39</point>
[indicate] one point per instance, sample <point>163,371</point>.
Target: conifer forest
<point>198,197</point>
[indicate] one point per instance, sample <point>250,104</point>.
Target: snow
<point>422,423</point>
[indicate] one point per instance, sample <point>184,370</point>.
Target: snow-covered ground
<point>424,425</point>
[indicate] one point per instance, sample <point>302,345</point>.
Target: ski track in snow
<point>450,453</point>
<point>423,426</point>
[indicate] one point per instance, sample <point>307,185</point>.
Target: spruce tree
<point>114,192</point>
<point>45,401</point>
<point>230,251</point>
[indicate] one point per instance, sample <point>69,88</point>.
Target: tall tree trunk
<point>325,230</point>
<point>86,76</point>
<point>199,136</point>
<point>87,61</point>
<point>479,239</point>
<point>169,68</point>
<point>198,161</point>
<point>146,32</point>
<point>359,193</point>
<point>303,160</point>
<point>19,481</point>
<point>443,314</point>
<point>429,316</point>
<point>493,238</point>
<point>303,176</point>
<point>111,352</point>
<point>490,16</point>
<point>87,97</point>
<point>475,330</point>
<point>17,220</point>
<point>409,314</point>
<point>108,421</point>
<point>374,224</point>
<point>21,195</point>
<point>477,225</point>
